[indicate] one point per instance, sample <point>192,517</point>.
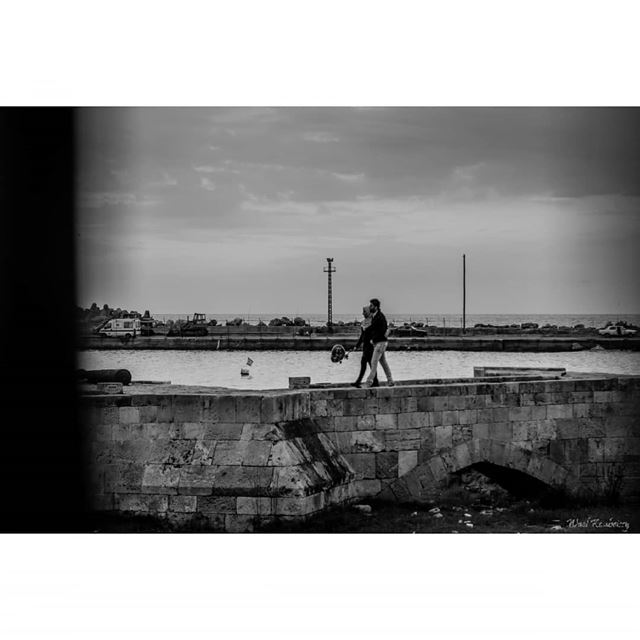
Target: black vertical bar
<point>41,471</point>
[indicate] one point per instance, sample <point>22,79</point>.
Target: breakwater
<point>243,341</point>
<point>234,460</point>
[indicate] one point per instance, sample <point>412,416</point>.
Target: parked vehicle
<point>146,326</point>
<point>197,326</point>
<point>616,330</point>
<point>126,328</point>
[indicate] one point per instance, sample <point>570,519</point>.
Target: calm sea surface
<point>271,369</point>
<point>436,319</point>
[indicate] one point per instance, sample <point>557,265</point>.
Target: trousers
<point>379,357</point>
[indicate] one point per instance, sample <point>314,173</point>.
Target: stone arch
<point>432,474</point>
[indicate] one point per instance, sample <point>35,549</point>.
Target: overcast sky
<point>234,210</point>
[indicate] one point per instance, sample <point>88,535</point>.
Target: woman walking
<point>367,347</point>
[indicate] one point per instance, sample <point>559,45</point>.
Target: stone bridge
<point>235,459</point>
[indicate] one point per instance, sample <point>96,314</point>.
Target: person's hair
<point>375,302</point>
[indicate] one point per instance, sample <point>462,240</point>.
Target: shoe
<point>391,384</point>
<point>356,385</point>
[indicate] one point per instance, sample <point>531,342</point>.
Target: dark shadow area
<point>518,484</point>
<point>41,471</point>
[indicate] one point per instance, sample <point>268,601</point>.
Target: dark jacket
<point>364,339</point>
<point>378,328</point>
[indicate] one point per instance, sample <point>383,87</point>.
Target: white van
<point>121,327</point>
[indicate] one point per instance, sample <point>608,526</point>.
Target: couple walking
<point>373,338</point>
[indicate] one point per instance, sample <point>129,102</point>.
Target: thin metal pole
<point>464,292</point>
<point>329,269</point>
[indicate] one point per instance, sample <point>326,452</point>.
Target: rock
<point>414,514</point>
<point>556,527</point>
<point>486,512</point>
<point>363,508</point>
<point>434,510</point>
<point>437,515</point>
<point>469,524</point>
<point>467,515</point>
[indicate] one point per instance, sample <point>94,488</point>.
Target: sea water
<point>432,318</point>
<point>271,369</point>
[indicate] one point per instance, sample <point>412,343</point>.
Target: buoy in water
<point>244,372</point>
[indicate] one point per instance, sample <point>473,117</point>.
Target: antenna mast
<point>329,269</point>
<point>464,292</point>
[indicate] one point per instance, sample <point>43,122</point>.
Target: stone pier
<point>233,460</point>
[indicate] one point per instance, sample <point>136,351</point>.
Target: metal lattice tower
<point>329,269</point>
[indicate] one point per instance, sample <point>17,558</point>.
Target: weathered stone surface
<point>443,437</point>
<point>345,423</point>
<point>402,440</point>
<point>216,505</point>
<point>387,464</point>
<point>407,460</point>
<point>129,415</point>
<point>140,444</point>
<point>248,409</point>
<point>252,505</point>
<point>242,452</point>
<point>366,488</point>
<point>203,451</point>
<point>363,464</point>
<point>366,441</point>
<point>595,449</point>
<point>123,478</point>
<point>183,504</point>
<point>197,480</point>
<point>142,503</point>
<point>286,453</point>
<point>158,478</point>
<point>223,431</point>
<point>243,481</point>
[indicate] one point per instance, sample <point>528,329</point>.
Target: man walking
<point>379,329</point>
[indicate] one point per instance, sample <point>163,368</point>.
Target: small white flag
<point>249,362</point>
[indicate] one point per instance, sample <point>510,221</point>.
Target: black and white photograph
<point>319,320</point>
<point>360,319</point>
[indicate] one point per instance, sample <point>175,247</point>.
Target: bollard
<point>299,382</point>
<point>109,387</point>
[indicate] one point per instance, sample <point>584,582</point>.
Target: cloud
<point>207,184</point>
<point>320,136</point>
<point>96,200</point>
<point>165,181</point>
<point>412,184</point>
<point>349,177</point>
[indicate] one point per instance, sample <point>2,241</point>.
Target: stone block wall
<point>231,460</point>
<point>578,434</point>
<point>225,461</point>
